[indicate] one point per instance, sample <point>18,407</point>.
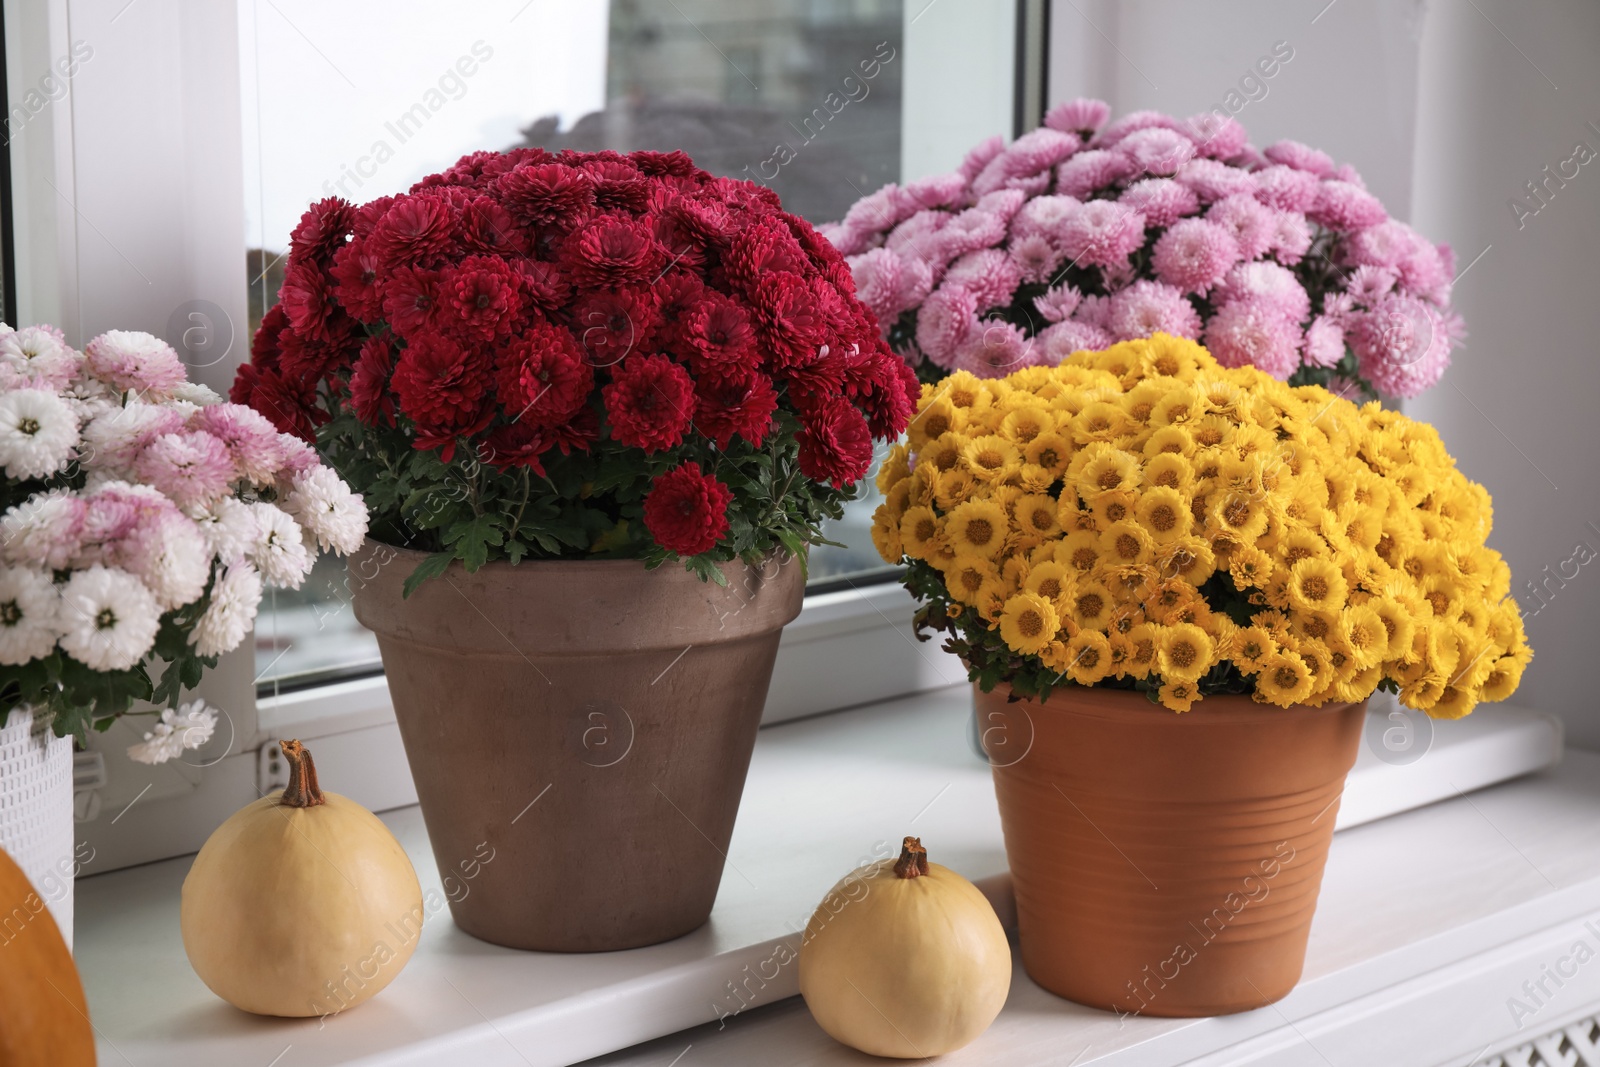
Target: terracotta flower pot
<point>1166,864</point>
<point>579,733</point>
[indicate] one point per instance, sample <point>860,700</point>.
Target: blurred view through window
<point>362,98</point>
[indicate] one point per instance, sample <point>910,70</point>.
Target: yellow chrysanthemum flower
<point>921,532</point>
<point>1028,623</point>
<point>1283,679</point>
<point>991,458</point>
<point>1086,658</point>
<point>1184,652</point>
<point>886,536</point>
<point>1179,694</point>
<point>1035,515</point>
<point>1164,513</point>
<point>977,526</point>
<point>1317,585</point>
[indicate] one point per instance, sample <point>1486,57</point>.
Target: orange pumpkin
<point>43,1016</point>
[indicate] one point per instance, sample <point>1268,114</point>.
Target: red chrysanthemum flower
<point>686,511</point>
<point>546,194</point>
<point>618,186</point>
<point>441,387</point>
<point>649,403</point>
<point>306,300</point>
<point>355,281</point>
<point>676,293</point>
<point>791,322</point>
<point>741,403</point>
<point>416,230</point>
<point>719,332</point>
<point>289,406</point>
<point>479,298</point>
<point>544,285</point>
<point>835,443</point>
<point>612,250</point>
<point>525,444</point>
<point>489,228</point>
<point>611,324</point>
<point>542,377</point>
<point>370,397</point>
<point>410,299</point>
<point>264,346</point>
<point>322,231</point>
<point>764,248</point>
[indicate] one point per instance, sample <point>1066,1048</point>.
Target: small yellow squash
<point>302,903</point>
<point>905,959</point>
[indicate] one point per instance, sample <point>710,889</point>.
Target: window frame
<point>850,646</point>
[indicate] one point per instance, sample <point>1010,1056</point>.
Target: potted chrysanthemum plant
<point>142,516</point>
<point>1085,232</point>
<point>599,406</point>
<point>1175,585</point>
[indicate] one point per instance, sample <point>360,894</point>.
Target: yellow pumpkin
<point>905,959</point>
<point>302,903</point>
<point>43,1016</point>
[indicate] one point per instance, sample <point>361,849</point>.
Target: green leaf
<point>432,567</point>
<point>472,539</point>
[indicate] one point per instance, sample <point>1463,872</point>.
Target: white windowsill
<point>1402,897</point>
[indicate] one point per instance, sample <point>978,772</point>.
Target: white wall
<point>959,86</point>
<point>1448,108</point>
<point>1519,407</point>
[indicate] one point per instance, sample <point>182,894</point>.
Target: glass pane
<point>363,98</point>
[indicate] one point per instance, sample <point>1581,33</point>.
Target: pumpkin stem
<point>913,862</point>
<point>302,791</point>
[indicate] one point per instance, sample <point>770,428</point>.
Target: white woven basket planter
<point>36,812</point>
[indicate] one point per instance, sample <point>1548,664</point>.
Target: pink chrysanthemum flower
<point>1194,255</point>
<point>192,467</point>
<point>878,211</point>
<point>1032,185</point>
<point>1383,245</point>
<point>1250,223</point>
<point>1102,233</point>
<point>1132,123</point>
<point>943,322</point>
<point>1161,201</point>
<point>1035,151</point>
<point>1324,345</point>
<point>969,231</point>
<point>1244,332</point>
<point>1058,304</point>
<point>1368,285</point>
<point>1291,237</point>
<point>918,237</point>
<point>1058,342</point>
<point>1081,116</point>
<point>1093,309</point>
<point>1215,136</point>
<point>1003,204</point>
<point>254,445</point>
<point>940,190</point>
<point>1342,206</point>
<point>136,361</point>
<point>1300,157</point>
<point>1036,257</point>
<point>1344,172</point>
<point>982,152</point>
<point>44,530</point>
<point>1423,271</point>
<point>1156,150</point>
<point>1336,307</point>
<point>1287,189</point>
<point>989,274</point>
<point>1401,345</point>
<point>1146,308</point>
<point>1270,286</point>
<point>995,349</point>
<point>1089,171</point>
<point>1212,180</point>
<point>847,240</point>
<point>878,282</point>
<point>1044,215</point>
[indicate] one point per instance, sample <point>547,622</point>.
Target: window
<point>350,100</point>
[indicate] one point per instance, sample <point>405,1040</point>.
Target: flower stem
<point>302,790</point>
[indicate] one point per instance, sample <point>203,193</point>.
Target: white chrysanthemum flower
<point>324,504</point>
<point>170,558</point>
<point>44,530</point>
<point>108,618</point>
<point>189,727</point>
<point>229,527</point>
<point>29,607</point>
<point>37,432</point>
<point>279,551</point>
<point>39,355</point>
<point>200,396</point>
<point>235,596</point>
